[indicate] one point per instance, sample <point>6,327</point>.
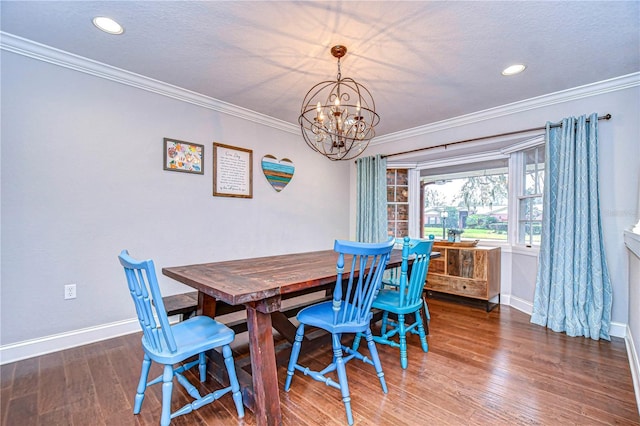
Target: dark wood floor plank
<point>59,417</point>
<point>6,375</point>
<point>25,377</point>
<point>22,410</point>
<point>80,393</point>
<point>482,368</point>
<point>89,415</point>
<point>109,391</point>
<point>5,397</point>
<point>51,391</point>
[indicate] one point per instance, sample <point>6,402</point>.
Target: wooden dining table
<point>261,284</point>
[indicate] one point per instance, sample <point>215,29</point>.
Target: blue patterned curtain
<point>371,220</point>
<point>573,288</point>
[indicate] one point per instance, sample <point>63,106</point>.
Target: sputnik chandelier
<point>338,117</point>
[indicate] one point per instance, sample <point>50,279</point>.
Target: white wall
<point>619,154</point>
<point>632,240</point>
<point>82,179</point>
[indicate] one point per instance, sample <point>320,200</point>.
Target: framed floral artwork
<point>181,156</point>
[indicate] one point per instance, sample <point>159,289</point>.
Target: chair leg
<point>202,366</point>
<point>427,315</point>
<point>376,359</point>
<point>167,389</point>
<point>295,352</point>
<point>233,380</point>
<point>422,333</point>
<point>142,384</point>
<point>356,342</point>
<point>342,376</point>
<point>383,327</point>
<point>426,308</point>
<point>402,338</point>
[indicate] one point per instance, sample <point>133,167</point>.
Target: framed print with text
<point>232,171</point>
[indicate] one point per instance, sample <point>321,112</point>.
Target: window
<point>398,202</point>
<point>530,197</point>
<point>472,198</point>
<point>491,192</point>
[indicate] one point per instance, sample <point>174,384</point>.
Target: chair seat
<point>321,315</point>
<point>389,300</point>
<point>192,337</point>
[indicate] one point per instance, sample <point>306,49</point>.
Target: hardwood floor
<point>482,368</point>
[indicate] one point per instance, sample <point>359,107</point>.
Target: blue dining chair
<point>173,344</point>
<point>391,278</point>
<point>405,299</point>
<point>348,312</point>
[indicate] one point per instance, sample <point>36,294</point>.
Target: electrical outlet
<point>70,291</point>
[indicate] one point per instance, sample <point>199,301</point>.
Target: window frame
<point>394,204</point>
<point>468,160</point>
<point>518,193</point>
<point>513,152</point>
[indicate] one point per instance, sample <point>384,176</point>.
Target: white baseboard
<point>520,304</point>
<point>634,363</point>
<point>57,342</point>
<point>616,329</point>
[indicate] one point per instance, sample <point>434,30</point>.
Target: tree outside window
<point>476,201</point>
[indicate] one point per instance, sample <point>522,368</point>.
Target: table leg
<point>263,368</point>
<point>206,305</point>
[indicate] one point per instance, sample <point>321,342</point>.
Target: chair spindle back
<point>367,264</point>
<point>143,286</point>
<point>411,289</point>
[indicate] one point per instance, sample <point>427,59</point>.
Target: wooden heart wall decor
<point>277,172</point>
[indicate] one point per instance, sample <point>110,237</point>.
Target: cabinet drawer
<point>460,286</point>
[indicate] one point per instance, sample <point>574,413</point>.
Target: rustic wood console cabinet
<point>472,272</point>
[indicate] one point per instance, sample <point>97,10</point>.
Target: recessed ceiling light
<point>513,69</point>
<point>108,25</point>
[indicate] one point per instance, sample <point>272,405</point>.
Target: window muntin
<point>530,197</point>
<point>397,202</point>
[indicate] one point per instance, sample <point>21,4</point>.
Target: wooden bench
<point>185,304</point>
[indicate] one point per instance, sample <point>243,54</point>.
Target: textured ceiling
<point>423,61</point>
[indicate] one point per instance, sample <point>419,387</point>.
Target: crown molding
<point>34,50</point>
<point>588,90</point>
<point>41,52</point>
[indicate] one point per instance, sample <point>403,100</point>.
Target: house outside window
<point>470,198</point>
<point>493,196</point>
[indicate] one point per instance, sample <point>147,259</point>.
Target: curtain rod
<point>445,145</point>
